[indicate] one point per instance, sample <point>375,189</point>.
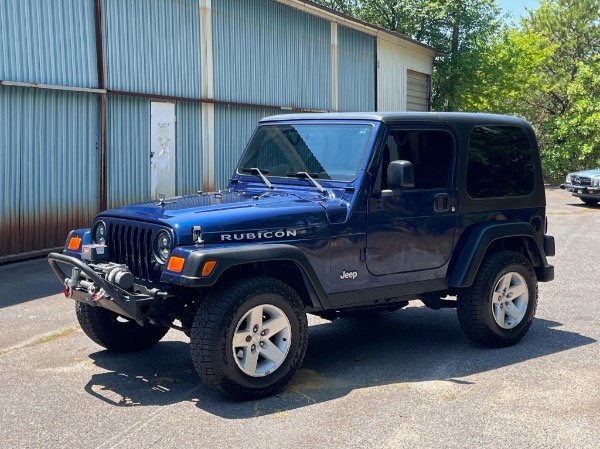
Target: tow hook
<point>71,282</point>
<point>92,296</point>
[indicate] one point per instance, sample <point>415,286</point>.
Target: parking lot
<point>407,379</point>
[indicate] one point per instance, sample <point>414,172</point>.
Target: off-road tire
<point>113,332</point>
<point>475,308</point>
<point>220,316</point>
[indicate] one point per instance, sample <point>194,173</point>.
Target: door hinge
<point>375,204</point>
<point>363,254</point>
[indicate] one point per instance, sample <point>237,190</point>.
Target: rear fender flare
<point>467,263</point>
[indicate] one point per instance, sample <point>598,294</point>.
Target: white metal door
<point>162,149</point>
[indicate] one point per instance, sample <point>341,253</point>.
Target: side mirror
<point>400,175</point>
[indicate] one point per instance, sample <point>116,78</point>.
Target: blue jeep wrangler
<point>327,214</point>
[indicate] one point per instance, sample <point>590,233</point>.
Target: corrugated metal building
<point>106,102</point>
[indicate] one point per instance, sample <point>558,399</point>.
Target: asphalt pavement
<point>408,379</point>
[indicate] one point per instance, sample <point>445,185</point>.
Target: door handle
<point>441,202</point>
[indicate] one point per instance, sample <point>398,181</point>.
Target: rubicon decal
<point>259,235</point>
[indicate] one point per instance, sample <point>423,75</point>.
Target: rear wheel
<point>249,337</point>
<point>115,332</point>
<point>498,309</point>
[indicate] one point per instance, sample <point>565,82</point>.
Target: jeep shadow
<point>400,348</point>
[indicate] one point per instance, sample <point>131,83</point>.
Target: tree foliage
<point>459,28</point>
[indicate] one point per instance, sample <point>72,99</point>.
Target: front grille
<point>581,181</point>
<point>131,245</point>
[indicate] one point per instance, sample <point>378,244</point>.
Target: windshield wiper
<point>259,172</point>
<point>304,175</point>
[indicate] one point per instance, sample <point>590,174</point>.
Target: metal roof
<point>332,14</point>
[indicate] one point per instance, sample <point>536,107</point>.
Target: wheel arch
<point>285,262</point>
<point>490,237</point>
<point>286,270</point>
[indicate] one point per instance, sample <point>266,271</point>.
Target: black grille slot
<point>132,246</point>
<point>581,181</point>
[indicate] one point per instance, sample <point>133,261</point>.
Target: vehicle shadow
<point>26,281</point>
<point>413,345</point>
<point>585,206</point>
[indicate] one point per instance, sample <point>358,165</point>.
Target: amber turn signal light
<point>74,243</point>
<point>176,264</point>
<point>208,268</point>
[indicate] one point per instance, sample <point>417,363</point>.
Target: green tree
<point>571,29</point>
<point>577,130</point>
<point>459,28</point>
<point>510,77</point>
<point>545,70</point>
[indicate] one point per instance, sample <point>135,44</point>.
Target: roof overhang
<point>331,15</point>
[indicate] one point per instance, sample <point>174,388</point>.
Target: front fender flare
<point>231,256</point>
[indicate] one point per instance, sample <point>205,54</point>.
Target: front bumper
<point>582,191</point>
<point>88,286</point>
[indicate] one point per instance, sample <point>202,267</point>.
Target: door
<point>413,229</point>
<point>162,149</point>
<point>417,91</point>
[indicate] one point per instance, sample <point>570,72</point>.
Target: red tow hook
<point>68,291</point>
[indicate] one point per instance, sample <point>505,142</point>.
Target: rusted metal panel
<point>128,150</point>
<point>49,162</point>
<point>50,42</point>
<point>153,47</point>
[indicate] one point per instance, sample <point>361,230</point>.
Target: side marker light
<point>208,268</point>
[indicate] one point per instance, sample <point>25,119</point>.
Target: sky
<point>517,7</point>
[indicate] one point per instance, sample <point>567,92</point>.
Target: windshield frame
<point>372,126</point>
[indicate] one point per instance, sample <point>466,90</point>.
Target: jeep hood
<point>238,217</point>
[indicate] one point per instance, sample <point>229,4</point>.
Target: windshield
<point>324,151</point>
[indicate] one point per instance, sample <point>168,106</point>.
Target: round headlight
<point>99,233</point>
<point>596,182</point>
<point>162,246</point>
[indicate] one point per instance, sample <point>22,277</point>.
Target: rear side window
<point>500,162</point>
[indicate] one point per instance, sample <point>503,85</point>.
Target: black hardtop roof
<point>399,117</point>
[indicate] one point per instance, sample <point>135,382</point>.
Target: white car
<point>585,185</point>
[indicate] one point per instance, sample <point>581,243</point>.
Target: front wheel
<point>249,337</point>
<point>115,332</point>
<point>498,309</point>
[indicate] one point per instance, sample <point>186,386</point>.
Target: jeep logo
<point>349,275</point>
